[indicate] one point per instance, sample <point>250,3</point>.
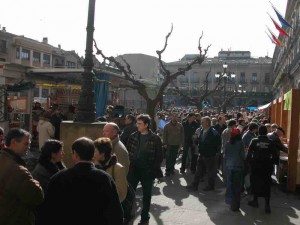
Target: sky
<point>139,26</point>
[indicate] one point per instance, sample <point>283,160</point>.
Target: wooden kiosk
<point>285,111</point>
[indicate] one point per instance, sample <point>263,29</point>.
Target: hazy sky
<point>140,26</point>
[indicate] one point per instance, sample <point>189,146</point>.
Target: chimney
<point>45,40</point>
<point>59,46</point>
<point>4,29</point>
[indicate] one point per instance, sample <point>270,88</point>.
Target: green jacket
<point>173,134</point>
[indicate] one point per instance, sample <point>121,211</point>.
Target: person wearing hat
<point>261,155</point>
<point>234,156</point>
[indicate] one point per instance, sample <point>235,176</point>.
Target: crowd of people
<point>244,148</point>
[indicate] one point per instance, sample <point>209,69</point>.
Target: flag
<point>271,39</point>
<point>281,31</point>
<point>278,42</point>
<point>283,22</point>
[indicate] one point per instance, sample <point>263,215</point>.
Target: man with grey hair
<point>209,144</point>
<point>111,130</point>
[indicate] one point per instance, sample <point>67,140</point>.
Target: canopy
<point>264,106</point>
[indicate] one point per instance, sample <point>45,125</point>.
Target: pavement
<point>172,204</point>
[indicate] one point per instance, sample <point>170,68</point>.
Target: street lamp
<point>241,92</point>
<point>225,76</point>
<point>86,104</point>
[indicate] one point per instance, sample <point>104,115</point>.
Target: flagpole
<point>282,20</point>
<point>277,26</point>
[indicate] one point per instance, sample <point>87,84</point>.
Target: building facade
<point>286,58</point>
<point>252,82</point>
<point>56,75</point>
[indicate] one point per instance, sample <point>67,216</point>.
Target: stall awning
<point>264,106</point>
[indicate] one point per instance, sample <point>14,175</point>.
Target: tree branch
<point>128,73</point>
<point>160,52</point>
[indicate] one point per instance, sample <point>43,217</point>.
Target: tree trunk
<point>150,110</point>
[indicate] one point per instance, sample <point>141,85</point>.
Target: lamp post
<point>241,91</point>
<point>225,76</point>
<point>86,104</point>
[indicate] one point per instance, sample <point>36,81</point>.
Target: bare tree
<point>138,85</point>
<point>226,97</point>
<point>204,91</point>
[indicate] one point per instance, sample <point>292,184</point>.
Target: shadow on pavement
<point>283,207</point>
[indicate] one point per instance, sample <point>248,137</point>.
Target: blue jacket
<point>210,144</point>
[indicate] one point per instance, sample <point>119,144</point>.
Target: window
<point>233,79</point>
<point>267,78</point>
<point>195,86</point>
<point>254,89</point>
<point>25,54</point>
<point>254,77</point>
<point>70,64</point>
<point>18,53</point>
<point>36,57</point>
<point>3,46</point>
<point>242,77</point>
<point>46,59</point>
<point>36,92</point>
<point>45,93</point>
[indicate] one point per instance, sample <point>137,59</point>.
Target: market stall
<point>285,112</point>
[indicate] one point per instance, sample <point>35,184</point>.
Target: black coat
<point>261,157</point>
<point>278,145</point>
<point>210,145</point>
<point>80,195</point>
<point>127,131</point>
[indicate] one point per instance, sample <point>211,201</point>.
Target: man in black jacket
<point>130,127</point>
<point>275,137</point>
<point>189,126</point>
<point>145,155</point>
<point>71,192</point>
